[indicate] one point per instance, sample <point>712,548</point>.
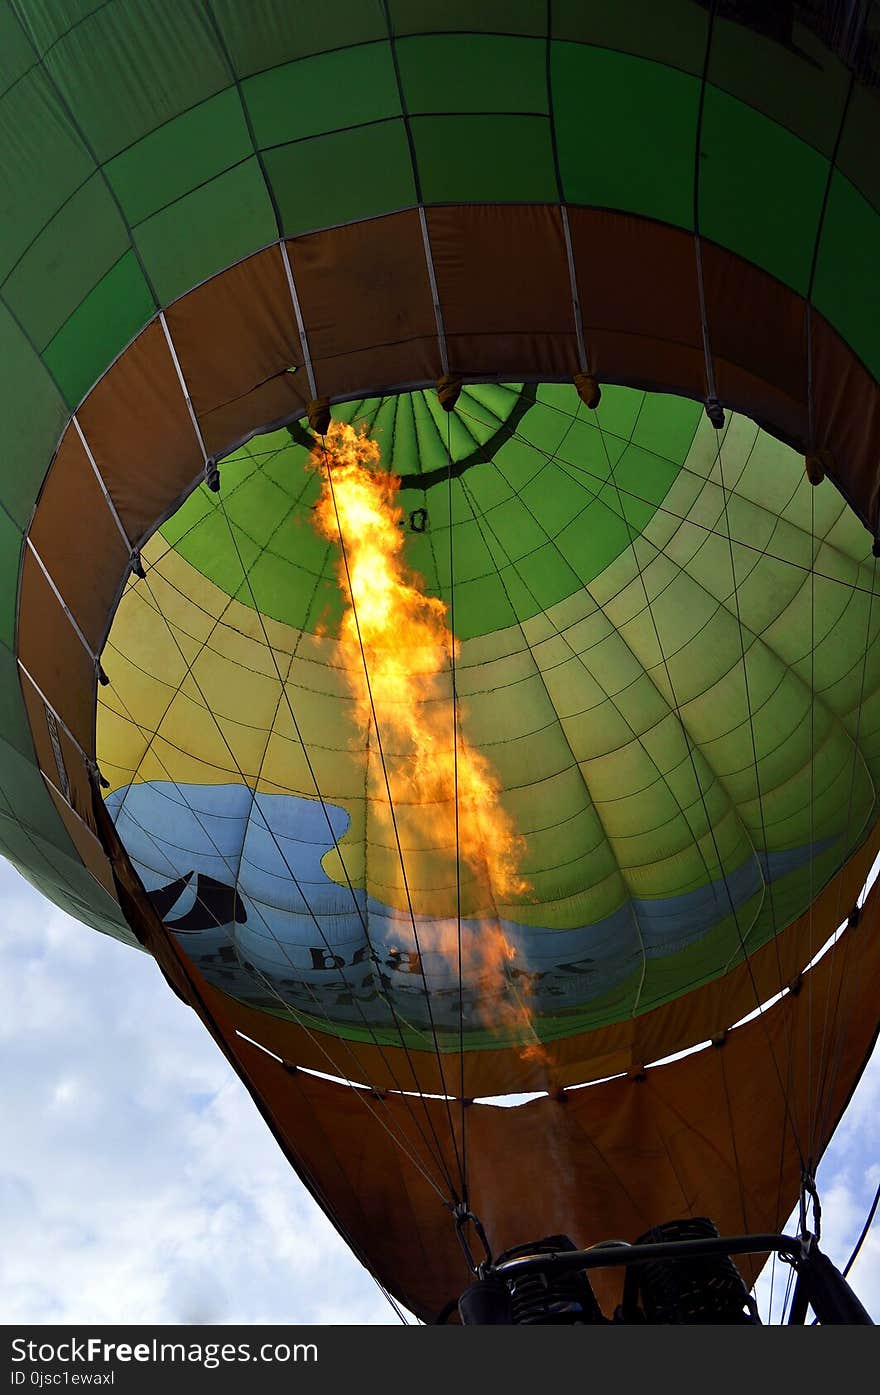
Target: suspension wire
<point>621,513</point>
<point>362,918</point>
<point>389,1298</point>
<point>857,1248</point>
<point>830,1063</point>
<point>235,458</point>
<point>439,1157</point>
<point>787,1295</point>
<point>811,426</point>
<point>733,1143</point>
<point>863,1234</point>
<point>290,1010</point>
<point>698,783</point>
<point>455,721</point>
<point>789,1030</point>
<point>628,492</point>
<point>811,1105</point>
<point>551,459</point>
<point>287,1007</point>
<point>813,575</point>
<point>483,525</point>
<point>329,470</point>
<point>772,1282</point>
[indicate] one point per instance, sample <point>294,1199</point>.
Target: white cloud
<point>137,1181</point>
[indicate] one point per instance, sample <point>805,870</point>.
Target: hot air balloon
<point>440,520</point>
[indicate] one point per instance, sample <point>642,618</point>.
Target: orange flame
<point>398,649</point>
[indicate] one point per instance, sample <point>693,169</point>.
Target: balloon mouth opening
<point>228,683</point>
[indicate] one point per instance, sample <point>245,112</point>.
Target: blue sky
<point>139,1184</point>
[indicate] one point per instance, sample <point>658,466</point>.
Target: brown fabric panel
<point>757,330</point>
<point>139,431</point>
<point>279,399</point>
<point>387,367</point>
<point>637,288</point>
<point>366,304</point>
<point>847,412</point>
<point>512,357</point>
<point>504,289</point>
<point>54,656</point>
<point>78,540</point>
<point>236,331</point>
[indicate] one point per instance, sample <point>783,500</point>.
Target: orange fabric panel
<point>77,538</point>
<point>139,430</point>
<point>366,303</point>
<point>87,844</point>
<point>504,289</point>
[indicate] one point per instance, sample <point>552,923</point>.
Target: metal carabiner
<point>463,1214</point>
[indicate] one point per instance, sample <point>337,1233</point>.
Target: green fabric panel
<point>28,799</point>
<point>748,163</point>
<point>33,415</point>
<point>180,156</point>
<point>263,33</point>
<point>66,261</point>
<point>126,69</point>
<point>672,33</point>
<point>14,727</point>
<point>62,879</point>
<point>47,21</point>
<point>42,163</point>
<point>806,98</point>
<point>638,152</point>
<point>541,516</point>
<point>24,851</point>
<point>225,220</point>
<point>16,53</point>
<point>484,159</point>
<point>492,16</point>
<point>108,319</point>
<point>378,177</point>
<point>472,73</point>
<point>846,289</point>
<point>10,556</point>
<point>290,102</point>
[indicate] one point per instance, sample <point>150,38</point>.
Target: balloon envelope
<point>656,642</point>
